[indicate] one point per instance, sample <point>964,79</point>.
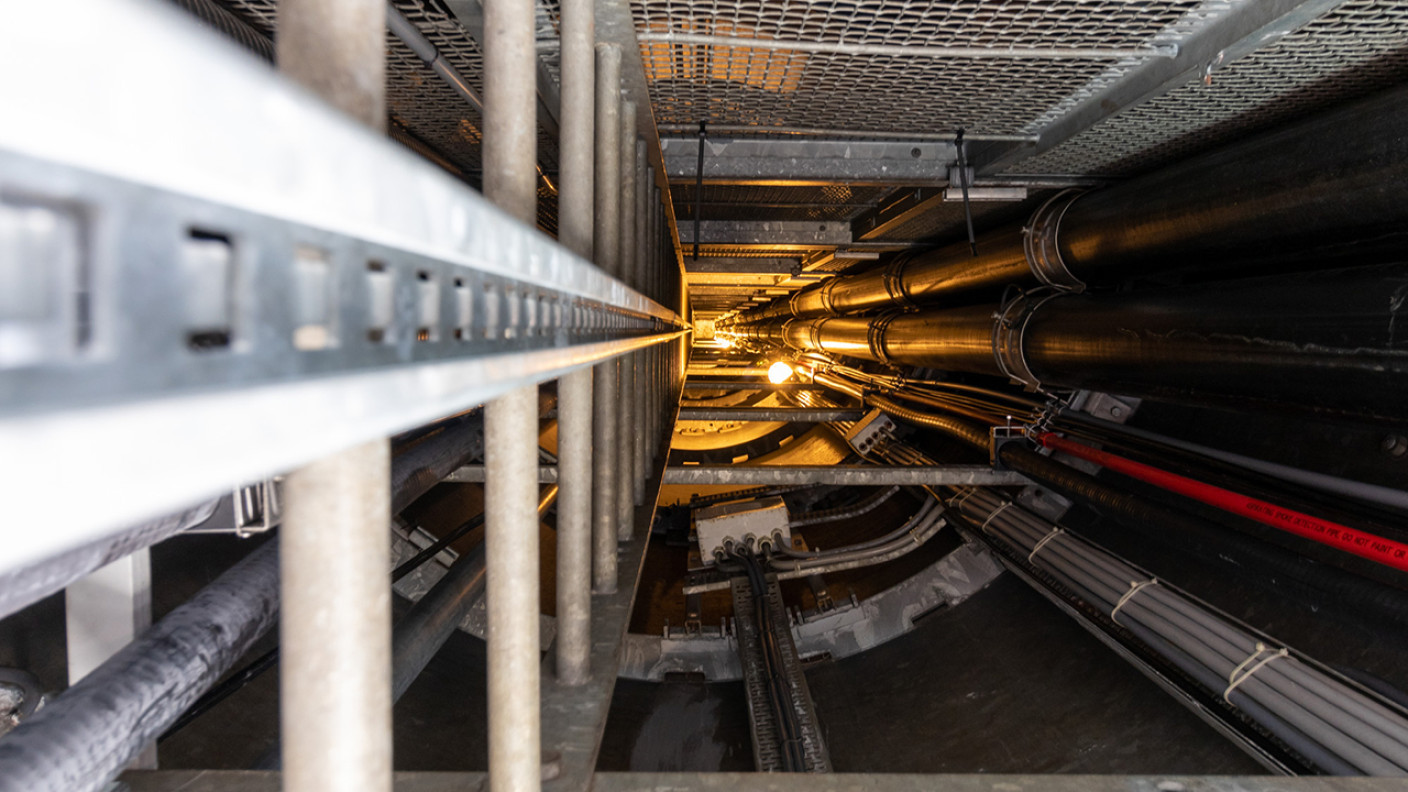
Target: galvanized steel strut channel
<point>351,290</point>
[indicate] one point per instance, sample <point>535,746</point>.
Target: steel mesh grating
<point>416,98</point>
<point>1360,47</point>
<point>883,93</point>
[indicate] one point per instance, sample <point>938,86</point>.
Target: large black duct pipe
<point>1335,341</point>
<point>1321,193</point>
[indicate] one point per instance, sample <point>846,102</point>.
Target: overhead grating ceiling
<point>690,83</point>
<point>1357,47</point>
<point>1352,51</point>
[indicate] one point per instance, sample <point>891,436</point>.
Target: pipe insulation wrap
<point>1349,207</point>
<point>82,740</point>
<point>20,588</point>
<point>1331,722</point>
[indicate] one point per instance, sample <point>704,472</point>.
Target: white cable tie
<point>1054,533</point>
<point>957,503</point>
<point>1238,675</point>
<point>1134,588</point>
<point>994,514</point>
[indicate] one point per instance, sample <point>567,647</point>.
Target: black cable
<point>409,565</point>
<point>793,755</point>
<point>236,681</point>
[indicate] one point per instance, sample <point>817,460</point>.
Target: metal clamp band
<point>875,335</point>
<point>792,301</point>
<point>892,278</point>
<point>814,334</point>
<point>825,296</point>
<point>1040,243</point>
<point>1008,338</point>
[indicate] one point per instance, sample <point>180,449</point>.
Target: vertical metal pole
<point>511,423</point>
<point>643,369</point>
<point>574,391</point>
<point>335,621</point>
<point>606,239</point>
<point>630,408</point>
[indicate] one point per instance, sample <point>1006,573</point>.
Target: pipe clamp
<point>1008,337</point>
<point>1041,247</point>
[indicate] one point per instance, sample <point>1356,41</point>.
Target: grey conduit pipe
<point>423,465</point>
<point>430,622</point>
<point>1335,725</point>
<point>1329,191</point>
<point>85,738</point>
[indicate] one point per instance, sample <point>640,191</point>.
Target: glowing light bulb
<point>779,373</point>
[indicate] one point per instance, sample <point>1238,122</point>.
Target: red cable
<point>1342,537</point>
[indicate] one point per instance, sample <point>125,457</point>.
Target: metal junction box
<point>758,519</point>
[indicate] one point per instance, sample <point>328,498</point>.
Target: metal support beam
<point>842,475</point>
<point>470,14</point>
<point>606,478</point>
<point>615,23</point>
<point>628,398</point>
<point>226,240</point>
<point>574,717</point>
<point>806,161</point>
<point>1242,30</point>
<point>335,625</point>
<point>768,414</point>
<point>244,781</point>
<point>910,51</point>
<point>574,391</point>
<point>777,234</point>
<point>837,475</point>
<point>735,265</point>
<point>511,424</point>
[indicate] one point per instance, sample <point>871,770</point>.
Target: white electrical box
<point>736,523</point>
<point>866,432</point>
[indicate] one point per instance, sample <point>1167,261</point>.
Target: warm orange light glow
<point>779,373</point>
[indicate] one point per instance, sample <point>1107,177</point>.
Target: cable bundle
<point>1329,722</point>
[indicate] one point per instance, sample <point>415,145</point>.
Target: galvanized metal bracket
<point>1039,240</point>
<point>1008,331</point>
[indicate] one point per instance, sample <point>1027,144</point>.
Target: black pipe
<point>1326,192</point>
<point>1334,341</point>
<point>433,618</point>
<point>421,466</point>
<point>82,740</point>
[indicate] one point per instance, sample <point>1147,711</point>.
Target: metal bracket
<point>1039,240</point>
<point>875,336</point>
<point>893,280</point>
<point>1008,331</point>
<point>1001,436</point>
<point>869,430</point>
<point>256,508</point>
